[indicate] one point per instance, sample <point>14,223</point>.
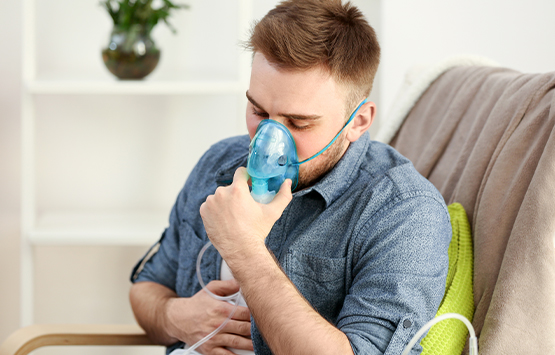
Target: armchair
<point>485,137</point>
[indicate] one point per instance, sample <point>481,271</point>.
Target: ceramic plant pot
<point>131,54</point>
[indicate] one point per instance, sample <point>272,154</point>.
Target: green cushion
<point>448,337</point>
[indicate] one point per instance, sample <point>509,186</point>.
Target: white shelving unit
<point>53,227</point>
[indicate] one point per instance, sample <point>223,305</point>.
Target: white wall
<point>10,86</point>
<point>516,34</point>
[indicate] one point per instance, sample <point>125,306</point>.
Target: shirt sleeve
<point>160,263</point>
<point>398,275</point>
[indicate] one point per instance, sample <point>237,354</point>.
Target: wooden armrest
<point>27,339</point>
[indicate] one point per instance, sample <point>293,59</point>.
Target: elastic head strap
<point>337,135</point>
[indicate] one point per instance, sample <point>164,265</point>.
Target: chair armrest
<point>27,339</point>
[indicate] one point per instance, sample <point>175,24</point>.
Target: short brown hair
<point>304,34</point>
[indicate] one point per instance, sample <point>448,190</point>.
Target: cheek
<point>307,145</point>
<point>252,124</point>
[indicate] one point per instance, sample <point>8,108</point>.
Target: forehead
<point>312,91</point>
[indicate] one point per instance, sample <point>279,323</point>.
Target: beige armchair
<point>485,137</point>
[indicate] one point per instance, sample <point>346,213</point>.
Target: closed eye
<point>260,113</point>
<point>296,127</point>
<point>290,122</point>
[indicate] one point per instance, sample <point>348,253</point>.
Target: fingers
<point>235,335</point>
<point>242,314</point>
<point>217,351</point>
<point>223,288</point>
<point>233,341</point>
<point>211,349</point>
<point>238,327</point>
<point>241,178</point>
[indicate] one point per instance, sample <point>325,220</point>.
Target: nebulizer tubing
<point>231,298</point>
<point>336,136</point>
<point>473,341</point>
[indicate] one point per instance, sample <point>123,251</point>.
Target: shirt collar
<point>224,175</point>
<point>338,180</point>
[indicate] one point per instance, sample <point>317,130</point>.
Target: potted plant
<point>131,52</point>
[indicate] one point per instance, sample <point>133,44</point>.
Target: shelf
<point>142,87</point>
<point>99,229</point>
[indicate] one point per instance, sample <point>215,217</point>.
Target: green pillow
<point>448,337</point>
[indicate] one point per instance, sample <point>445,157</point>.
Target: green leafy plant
<point>128,15</point>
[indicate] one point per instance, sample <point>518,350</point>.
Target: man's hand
<point>191,319</point>
<point>235,223</point>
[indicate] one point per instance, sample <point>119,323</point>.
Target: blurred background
<point>90,166</point>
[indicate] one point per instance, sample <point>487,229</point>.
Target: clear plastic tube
<point>232,298</point>
<point>473,342</point>
<point>209,336</point>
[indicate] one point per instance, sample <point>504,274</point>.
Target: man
<point>352,262</point>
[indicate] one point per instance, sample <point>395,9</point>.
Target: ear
<point>362,121</point>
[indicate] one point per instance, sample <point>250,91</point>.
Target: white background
<point>110,152</point>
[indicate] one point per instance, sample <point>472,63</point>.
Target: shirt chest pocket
<point>321,280</point>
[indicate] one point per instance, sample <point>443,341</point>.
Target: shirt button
<point>407,323</point>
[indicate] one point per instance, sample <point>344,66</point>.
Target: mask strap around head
<point>337,135</point>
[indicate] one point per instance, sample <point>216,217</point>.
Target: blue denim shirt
<point>366,245</point>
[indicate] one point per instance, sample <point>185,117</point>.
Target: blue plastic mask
<point>273,158</point>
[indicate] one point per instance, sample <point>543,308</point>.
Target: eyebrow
<point>292,116</point>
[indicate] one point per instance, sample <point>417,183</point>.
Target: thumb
<point>283,197</point>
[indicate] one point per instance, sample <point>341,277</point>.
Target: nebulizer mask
<point>273,158</point>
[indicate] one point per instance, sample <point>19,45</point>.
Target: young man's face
<point>309,103</point>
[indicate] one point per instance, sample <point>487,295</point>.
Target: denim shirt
<point>366,245</point>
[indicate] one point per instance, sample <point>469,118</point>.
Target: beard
<point>311,174</point>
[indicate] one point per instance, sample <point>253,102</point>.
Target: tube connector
<point>260,191</point>
<point>473,346</point>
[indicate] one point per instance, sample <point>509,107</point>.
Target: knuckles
<point>243,313</point>
<point>219,193</point>
<point>221,309</point>
<point>235,342</point>
<point>245,328</point>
